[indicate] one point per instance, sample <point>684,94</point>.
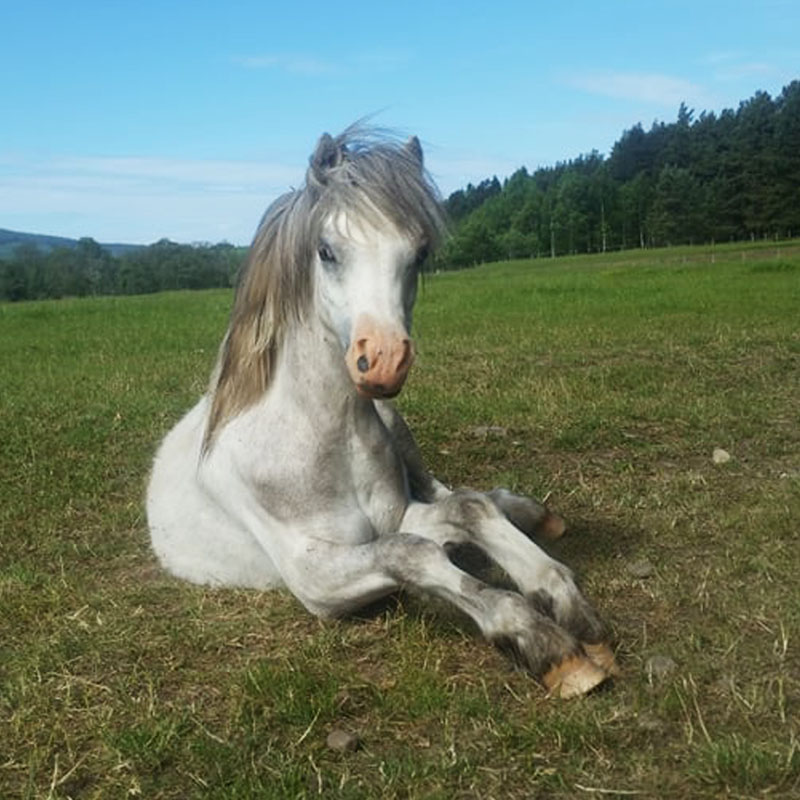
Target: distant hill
<point>10,240</point>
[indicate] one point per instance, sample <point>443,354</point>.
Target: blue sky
<point>129,122</point>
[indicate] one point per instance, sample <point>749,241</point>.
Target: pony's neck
<point>313,373</point>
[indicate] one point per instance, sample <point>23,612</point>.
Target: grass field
<point>603,382</point>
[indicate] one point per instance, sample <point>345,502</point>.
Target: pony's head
<point>349,245</point>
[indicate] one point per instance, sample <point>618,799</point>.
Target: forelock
<point>379,176</point>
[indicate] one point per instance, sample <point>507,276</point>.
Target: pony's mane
<point>363,172</point>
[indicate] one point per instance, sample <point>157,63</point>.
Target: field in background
<point>604,382</point>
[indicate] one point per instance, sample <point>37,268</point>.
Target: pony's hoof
<point>573,677</point>
<point>603,656</point>
<point>552,527</point>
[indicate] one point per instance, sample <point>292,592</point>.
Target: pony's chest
<point>346,483</point>
<point>378,483</point>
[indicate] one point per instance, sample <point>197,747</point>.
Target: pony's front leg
<point>527,514</point>
<point>471,517</point>
<point>333,579</point>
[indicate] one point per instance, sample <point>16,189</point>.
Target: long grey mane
<point>364,172</point>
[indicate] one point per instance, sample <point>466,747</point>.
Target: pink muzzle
<point>378,358</point>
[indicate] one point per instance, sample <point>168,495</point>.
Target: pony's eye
<point>326,254</point>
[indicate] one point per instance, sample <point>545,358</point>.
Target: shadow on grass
<point>592,542</point>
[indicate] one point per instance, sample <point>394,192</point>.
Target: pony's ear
<point>327,155</point>
<point>414,149</point>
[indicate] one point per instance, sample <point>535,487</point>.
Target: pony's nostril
<point>362,364</point>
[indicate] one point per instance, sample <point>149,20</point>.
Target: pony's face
<point>366,282</point>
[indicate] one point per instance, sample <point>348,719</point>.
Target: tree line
<point>89,269</point>
<point>714,178</point>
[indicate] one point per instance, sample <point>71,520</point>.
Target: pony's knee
<point>469,509</point>
<point>410,558</point>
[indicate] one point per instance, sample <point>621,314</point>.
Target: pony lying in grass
<point>295,469</point>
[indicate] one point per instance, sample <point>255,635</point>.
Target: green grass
<point>612,378</point>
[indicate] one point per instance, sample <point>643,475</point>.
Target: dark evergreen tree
<point>787,157</point>
<point>677,213</point>
<point>722,177</point>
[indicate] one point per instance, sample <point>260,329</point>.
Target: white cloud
<point>185,171</point>
<point>380,59</point>
<point>735,65</point>
<point>140,200</point>
<point>295,64</point>
<point>735,72</point>
<point>642,87</point>
<point>722,57</point>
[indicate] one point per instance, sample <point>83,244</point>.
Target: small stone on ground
<point>642,568</point>
<point>720,456</point>
<point>647,721</point>
<point>342,741</point>
<point>484,431</point>
<point>659,667</point>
